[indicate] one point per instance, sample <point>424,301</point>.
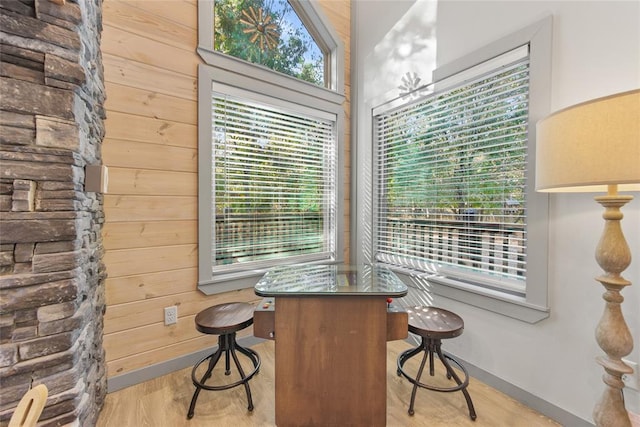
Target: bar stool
<point>225,320</point>
<point>433,325</point>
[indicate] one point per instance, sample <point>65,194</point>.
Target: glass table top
<point>298,280</point>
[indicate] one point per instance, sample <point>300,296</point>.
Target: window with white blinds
<point>451,177</point>
<point>274,184</point>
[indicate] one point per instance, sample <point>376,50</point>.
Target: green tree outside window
<point>269,33</point>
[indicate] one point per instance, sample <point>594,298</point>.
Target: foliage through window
<point>269,175</point>
<point>274,176</point>
<point>452,178</point>
<point>269,33</point>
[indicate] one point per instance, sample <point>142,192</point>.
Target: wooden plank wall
<point>150,233</point>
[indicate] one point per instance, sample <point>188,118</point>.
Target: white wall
<point>596,52</point>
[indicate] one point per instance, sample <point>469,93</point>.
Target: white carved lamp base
<point>612,333</point>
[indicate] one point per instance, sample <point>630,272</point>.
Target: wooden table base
<point>330,358</point>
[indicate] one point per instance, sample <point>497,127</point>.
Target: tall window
<point>452,177</point>
<point>274,196</point>
<point>270,130</point>
<point>453,208</point>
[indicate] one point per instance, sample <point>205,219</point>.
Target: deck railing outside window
<point>265,236</point>
<point>482,245</point>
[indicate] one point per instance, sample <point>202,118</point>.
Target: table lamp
<point>593,147</point>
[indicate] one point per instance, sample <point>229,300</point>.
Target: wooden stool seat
<point>434,324</point>
<point>224,320</point>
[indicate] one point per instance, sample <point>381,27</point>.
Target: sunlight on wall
<point>406,56</point>
<point>402,60</point>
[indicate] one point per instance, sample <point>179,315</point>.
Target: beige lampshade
<point>591,145</point>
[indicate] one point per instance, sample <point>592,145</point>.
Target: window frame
<point>533,307</point>
<point>390,119</point>
<point>317,25</point>
<point>328,163</point>
<point>226,71</point>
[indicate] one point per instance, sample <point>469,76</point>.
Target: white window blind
<point>273,184</point>
<point>451,178</point>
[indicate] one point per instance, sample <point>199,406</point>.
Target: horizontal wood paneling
<point>182,12</point>
<point>141,102</point>
<point>140,155</point>
<point>149,208</point>
<point>150,231</point>
<point>149,337</point>
<point>166,351</point>
<point>339,13</point>
<point>126,127</point>
<point>148,23</point>
<point>123,289</point>
<point>128,235</point>
<point>154,336</point>
<point>149,311</point>
<point>151,182</point>
<point>148,51</point>
<point>124,262</point>
<point>153,79</point>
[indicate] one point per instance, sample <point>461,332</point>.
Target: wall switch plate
<point>170,315</point>
<point>632,380</point>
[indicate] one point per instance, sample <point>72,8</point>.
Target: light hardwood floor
<point>164,401</point>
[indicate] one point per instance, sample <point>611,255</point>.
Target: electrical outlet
<point>170,315</point>
<point>632,380</point>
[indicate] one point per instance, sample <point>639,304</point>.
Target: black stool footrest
<point>244,378</point>
<point>457,387</point>
<point>430,347</point>
<point>226,345</point>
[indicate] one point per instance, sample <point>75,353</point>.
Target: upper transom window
<point>269,33</point>
<point>290,37</point>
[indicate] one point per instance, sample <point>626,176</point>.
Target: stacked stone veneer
<point>51,270</point>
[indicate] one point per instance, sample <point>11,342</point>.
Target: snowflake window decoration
<point>263,30</point>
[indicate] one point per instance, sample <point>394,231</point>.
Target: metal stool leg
<point>406,355</point>
<point>246,383</point>
<point>430,346</point>
<point>249,353</point>
<point>227,345</point>
<point>416,382</point>
<point>212,363</point>
<point>452,373</point>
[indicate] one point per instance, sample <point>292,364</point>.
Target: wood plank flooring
<point>164,401</point>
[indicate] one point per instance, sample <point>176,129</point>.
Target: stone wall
<point>51,271</point>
